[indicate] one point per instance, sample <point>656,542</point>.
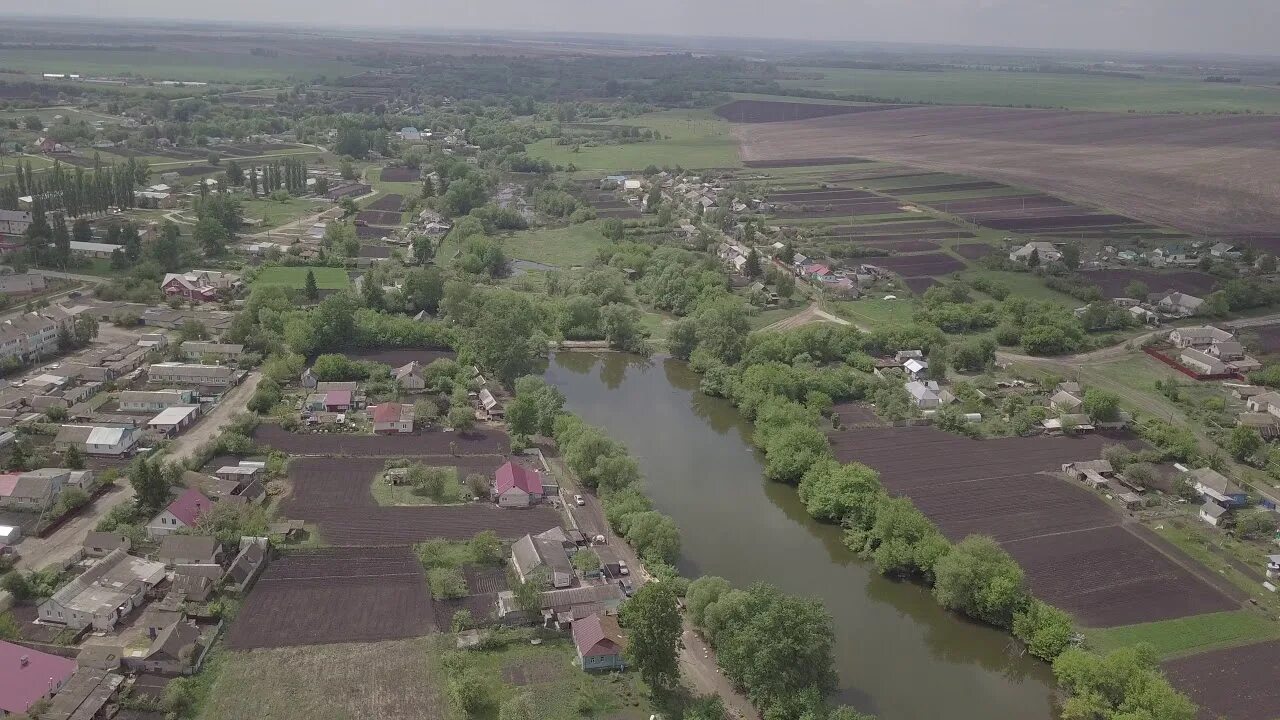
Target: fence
<point>1188,371</point>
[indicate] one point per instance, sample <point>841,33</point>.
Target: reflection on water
<point>898,654</point>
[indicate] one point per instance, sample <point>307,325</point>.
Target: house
<point>14,222</point>
<point>150,401</point>
<point>516,486</point>
<point>1265,424</point>
<point>243,474</point>
<point>171,421</point>
<point>98,544</point>
<point>924,394</point>
<point>200,285</point>
<point>193,374</point>
<point>111,441</point>
<point>22,283</point>
<point>222,352</point>
<point>1223,250</point>
<point>1214,514</point>
<point>188,550</point>
<point>1144,316</point>
<point>392,418</point>
<point>599,643</point>
<point>544,550</point>
<point>181,513</point>
<point>94,249</point>
<point>1172,302</point>
<point>110,589</point>
<point>1216,488</point>
<point>1268,402</point>
<point>337,401</point>
<point>249,563</point>
<point>1273,566</point>
<point>492,408</point>
<point>1075,422</point>
<point>1199,338</point>
<point>172,652</point>
<point>409,377</point>
<point>1244,392</point>
<point>1227,350</point>
<point>35,491</point>
<point>1079,469</point>
<point>30,676</point>
<point>410,134</point>
<point>1063,401</point>
<point>1203,363</point>
<point>566,605</point>
<point>916,368</point>
<point>1044,252</point>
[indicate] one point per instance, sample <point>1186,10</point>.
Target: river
<point>898,654</point>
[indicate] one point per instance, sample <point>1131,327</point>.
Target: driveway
<point>65,542</point>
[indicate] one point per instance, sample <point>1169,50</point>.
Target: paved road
<point>63,544</point>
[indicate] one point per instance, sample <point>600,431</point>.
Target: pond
<point>898,654</point>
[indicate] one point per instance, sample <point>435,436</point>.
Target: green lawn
<point>1153,93</point>
<point>229,67</point>
<point>1024,285</point>
<point>1190,635</point>
<point>274,214</point>
<point>385,493</point>
<point>691,139</point>
<point>562,247</point>
<point>873,311</point>
<point>327,278</point>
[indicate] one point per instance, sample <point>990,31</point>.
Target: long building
<point>193,374</point>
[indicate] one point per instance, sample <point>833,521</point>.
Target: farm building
<point>1265,424</point>
<point>1213,513</point>
<point>516,486</point>
<point>599,643</point>
<point>1203,363</point>
<point>1063,401</point>
<point>1198,337</point>
<point>222,352</point>
<point>1076,422</point>
<point>150,401</point>
<point>1217,488</point>
<point>565,606</point>
<point>97,440</point>
<point>492,408</point>
<point>171,421</point>
<point>104,593</point>
<point>181,513</point>
<point>192,374</point>
<point>916,368</point>
<point>1178,304</point>
<point>391,418</point>
<point>544,550</point>
<point>171,652</point>
<point>244,473</point>
<point>94,249</point>
<point>188,550</point>
<point>98,544</point>
<point>30,676</point>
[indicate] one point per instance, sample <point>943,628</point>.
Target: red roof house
<point>390,418</point>
<point>516,486</point>
<point>28,676</point>
<point>181,513</point>
<point>8,482</point>
<point>600,643</point>
<point>337,400</point>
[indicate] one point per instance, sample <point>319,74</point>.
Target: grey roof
<point>580,595</point>
<point>1213,510</point>
<point>1215,481</point>
<point>173,640</point>
<point>106,540</point>
<point>187,546</point>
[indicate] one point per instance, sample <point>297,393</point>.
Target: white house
<point>1198,337</point>
<point>181,513</point>
<point>916,368</point>
<point>1213,513</point>
<point>1044,251</point>
<point>1202,362</point>
<point>114,441</point>
<point>924,394</point>
<point>103,594</point>
<point>516,486</point>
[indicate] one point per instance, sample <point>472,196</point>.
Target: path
<point>813,313</point>
<point>65,542</point>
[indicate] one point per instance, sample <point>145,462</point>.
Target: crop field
<point>1114,282</point>
<point>950,187</point>
<point>919,285</point>
<point>1266,338</point>
<point>327,278</point>
<point>334,493</point>
<point>1189,635</point>
<point>400,174</point>
<point>973,251</point>
<point>480,441</point>
<point>804,162</point>
<point>1199,174</point>
<point>1076,554</point>
<point>362,681</point>
<point>767,111</point>
<point>922,228</point>
<point>374,251</point>
<point>387,203</point>
<point>372,232</point>
<point>379,217</point>
<point>1237,683</point>
<point>351,595</point>
<point>920,265</point>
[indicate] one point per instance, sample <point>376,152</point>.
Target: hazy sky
<point>1236,26</point>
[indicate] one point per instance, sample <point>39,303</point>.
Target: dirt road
<point>65,541</point>
<point>813,313</point>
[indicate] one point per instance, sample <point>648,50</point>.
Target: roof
<point>1063,397</point>
<point>914,366</point>
<point>1215,481</point>
<point>95,247</point>
<point>1206,332</point>
<point>1213,509</point>
<point>511,475</point>
<point>920,391</point>
<point>1098,466</point>
<point>247,562</point>
<point>105,540</point>
<point>414,368</point>
<point>585,594</point>
<point>108,583</point>
<point>188,506</point>
<point>390,412</point>
<point>187,546</point>
<point>171,641</point>
<point>596,635</point>
<point>337,397</point>
<point>1212,363</point>
<point>26,675</point>
<point>487,399</point>
<point>172,415</point>
<point>7,483</point>
<point>1254,420</point>
<point>108,435</point>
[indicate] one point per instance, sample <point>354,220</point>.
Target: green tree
<point>149,485</point>
<point>1122,685</point>
<point>654,536</point>
<point>702,593</point>
<point>1101,405</point>
<point>1046,630</point>
<point>210,236</point>
<point>652,620</point>
<point>1071,255</point>
<point>467,691</point>
<point>621,326</point>
<point>981,580</point>
<point>310,289</point>
<point>1243,442</point>
<point>74,458</point>
<point>486,548</point>
<point>835,492</point>
<point>462,418</point>
<point>586,561</point>
<point>1257,525</point>
<point>751,268</point>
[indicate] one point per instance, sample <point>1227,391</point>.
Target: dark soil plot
<point>399,358</point>
<point>998,507</point>
<point>1268,338</point>
<point>334,595</point>
<point>483,609</point>
<point>973,251</point>
<point>1011,203</point>
<point>919,285</point>
<point>1237,683</point>
<point>389,203</point>
<point>1107,577</point>
<point>799,196</point>
<point>482,580</point>
<point>374,251</point>
<point>917,265</point>
<point>481,441</point>
<point>882,243</point>
<point>191,170</point>
<point>898,237</point>
<point>150,685</point>
<point>372,232</point>
<point>766,111</point>
<point>853,415</point>
<point>1055,222</point>
<point>620,214</point>
<point>804,162</point>
<point>950,187</point>
<point>840,210</point>
<point>379,217</point>
<point>1114,282</point>
<point>923,226</point>
<point>401,174</point>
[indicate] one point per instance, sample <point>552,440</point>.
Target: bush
<point>446,583</point>
<point>1046,630</point>
<point>981,580</point>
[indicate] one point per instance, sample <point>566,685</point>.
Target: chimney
<point>24,661</point>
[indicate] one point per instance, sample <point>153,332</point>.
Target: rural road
<point>813,313</point>
<point>64,543</point>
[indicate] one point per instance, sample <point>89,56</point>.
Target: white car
<point>579,500</point>
<point>622,568</point>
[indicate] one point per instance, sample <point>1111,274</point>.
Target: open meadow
<point>295,277</point>
<point>691,138</point>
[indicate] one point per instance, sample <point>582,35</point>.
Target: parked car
<point>627,587</point>
<point>579,500</point>
<point>622,568</point>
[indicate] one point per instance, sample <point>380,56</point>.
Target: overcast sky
<point>1235,26</point>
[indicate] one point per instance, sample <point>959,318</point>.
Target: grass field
<point>366,681</point>
<point>327,278</point>
<point>1021,285</point>
<point>691,139</point>
<point>274,214</point>
<point>1189,635</point>
<point>871,312</point>
<point>385,493</point>
<point>172,65</point>
<point>1076,92</point>
<point>562,247</point>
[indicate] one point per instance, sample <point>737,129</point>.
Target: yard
<point>384,493</point>
<point>1023,285</point>
<point>1189,635</point>
<point>563,247</point>
<point>361,681</point>
<point>327,278</point>
<point>690,138</point>
<point>274,214</point>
